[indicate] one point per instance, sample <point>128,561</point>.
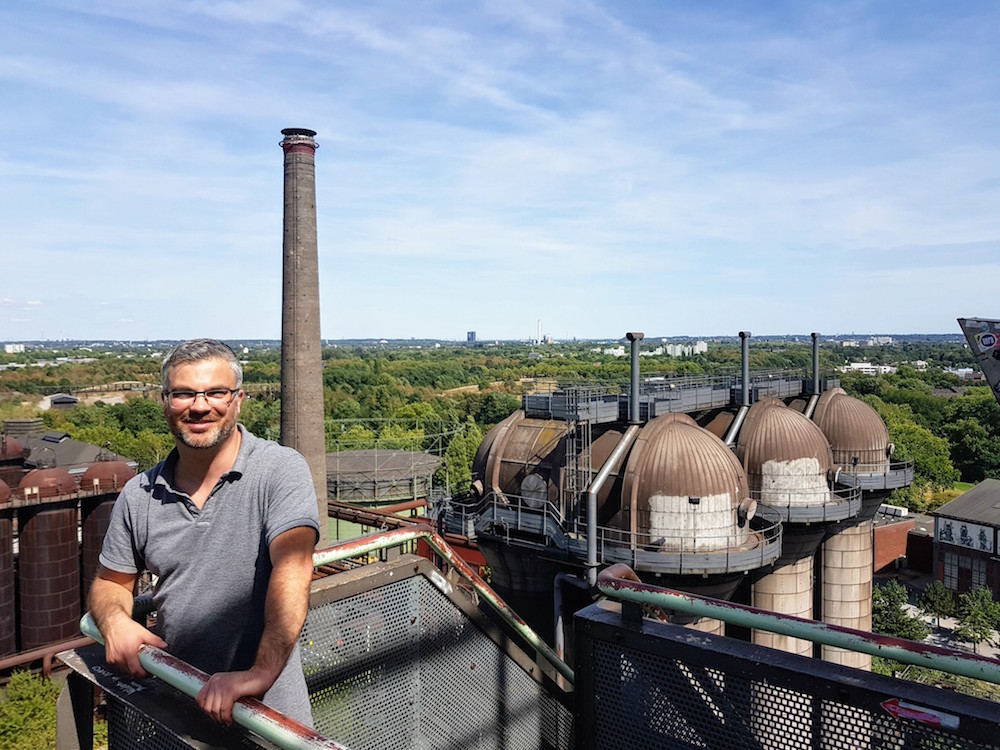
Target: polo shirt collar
<point>165,477</point>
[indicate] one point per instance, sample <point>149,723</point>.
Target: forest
<point>444,399</point>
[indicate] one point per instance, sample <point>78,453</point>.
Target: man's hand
<point>111,608</point>
<point>123,637</point>
<point>222,690</point>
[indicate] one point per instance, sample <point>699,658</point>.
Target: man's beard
<point>205,441</point>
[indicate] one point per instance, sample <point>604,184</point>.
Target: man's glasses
<point>215,397</point>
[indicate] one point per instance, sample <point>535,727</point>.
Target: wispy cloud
<point>688,168</point>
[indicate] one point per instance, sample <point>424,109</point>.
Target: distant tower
<point>470,337</point>
<point>301,349</point>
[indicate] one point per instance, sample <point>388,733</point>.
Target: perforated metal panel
<point>402,665</point>
<point>667,687</point>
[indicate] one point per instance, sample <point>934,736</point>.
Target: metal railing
<point>279,729</point>
<point>885,475</point>
<point>810,505</point>
<point>619,582</point>
<point>513,517</point>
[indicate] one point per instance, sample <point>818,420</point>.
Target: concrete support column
<point>301,348</point>
<point>847,586</point>
<point>788,588</point>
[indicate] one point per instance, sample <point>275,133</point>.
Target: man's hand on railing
<point>123,637</point>
<point>223,689</point>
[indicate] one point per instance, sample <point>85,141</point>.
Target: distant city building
<point>850,343</point>
<point>867,368</point>
<point>615,351</point>
<point>920,365</point>
<point>470,337</point>
<point>13,348</point>
<point>880,341</point>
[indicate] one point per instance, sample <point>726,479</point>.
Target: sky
<point>680,168</point>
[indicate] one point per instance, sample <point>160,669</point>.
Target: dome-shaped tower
<point>790,469</point>
<point>857,434</point>
<point>683,488</point>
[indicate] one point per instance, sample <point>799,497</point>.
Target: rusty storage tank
<point>48,558</point>
<point>12,456</point>
<point>861,444</point>
<point>8,631</point>
<point>789,468</point>
<point>105,480</point>
<point>683,491</point>
<point>522,460</point>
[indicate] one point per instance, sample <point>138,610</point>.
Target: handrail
<point>621,583</point>
<point>366,544</point>
<point>249,713</point>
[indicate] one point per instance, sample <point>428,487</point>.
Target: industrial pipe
<point>745,357</point>
<point>633,397</point>
<point>249,713</point>
<point>734,428</point>
<point>366,544</point>
<point>815,338</point>
<point>623,445</point>
<point>621,583</point>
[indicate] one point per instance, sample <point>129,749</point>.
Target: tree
<point>977,616</point>
<point>456,471</point>
<point>890,618</point>
<point>937,601</point>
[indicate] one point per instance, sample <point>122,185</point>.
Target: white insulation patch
<point>676,524</point>
<point>800,481</point>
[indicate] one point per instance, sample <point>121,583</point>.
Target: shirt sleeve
<point>291,498</point>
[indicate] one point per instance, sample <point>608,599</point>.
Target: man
<point>228,524</point>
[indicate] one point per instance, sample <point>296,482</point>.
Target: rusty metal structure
<point>8,624</point>
<point>301,350</point>
<point>105,479</point>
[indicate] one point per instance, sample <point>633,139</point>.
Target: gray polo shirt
<point>213,564</point>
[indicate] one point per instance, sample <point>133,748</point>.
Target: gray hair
<point>197,350</point>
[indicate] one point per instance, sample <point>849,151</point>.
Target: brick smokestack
<point>301,352</point>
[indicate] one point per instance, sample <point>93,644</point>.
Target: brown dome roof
<point>773,432</point>
<point>106,476</point>
<point>4,492</point>
<point>49,482</point>
<point>683,486</point>
<point>854,429</point>
<point>10,448</point>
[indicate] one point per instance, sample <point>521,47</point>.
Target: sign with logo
<point>965,534</point>
<point>986,341</point>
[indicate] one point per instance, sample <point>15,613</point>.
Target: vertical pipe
<point>633,397</point>
<point>745,356</point>
<point>301,352</point>
<point>815,338</point>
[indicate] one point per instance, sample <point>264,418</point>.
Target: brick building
<point>965,539</point>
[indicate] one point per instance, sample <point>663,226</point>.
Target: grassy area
<point>963,486</point>
<point>28,714</point>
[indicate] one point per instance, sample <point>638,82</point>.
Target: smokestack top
<point>635,335</point>
<point>298,140</point>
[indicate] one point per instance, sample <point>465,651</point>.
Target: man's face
<point>202,423</point>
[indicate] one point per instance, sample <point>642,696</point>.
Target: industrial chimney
<point>301,352</point>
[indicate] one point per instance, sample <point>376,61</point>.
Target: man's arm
<point>111,607</point>
<point>285,611</point>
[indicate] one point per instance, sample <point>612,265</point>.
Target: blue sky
<point>681,168</point>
